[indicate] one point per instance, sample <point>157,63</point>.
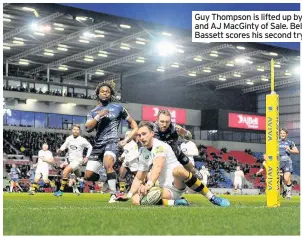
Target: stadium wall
<point>173,93</point>
<point>255,147</point>
<point>57,104</point>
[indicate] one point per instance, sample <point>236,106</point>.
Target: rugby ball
<point>152,197</point>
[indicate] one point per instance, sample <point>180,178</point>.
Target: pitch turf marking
<point>141,207</point>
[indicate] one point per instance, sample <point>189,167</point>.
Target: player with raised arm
<point>172,176</point>
<point>169,132</point>
<point>75,145</point>
<point>130,162</point>
<point>45,159</point>
<point>105,119</point>
<point>286,148</point>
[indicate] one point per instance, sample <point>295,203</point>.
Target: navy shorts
<point>110,148</point>
<point>286,166</point>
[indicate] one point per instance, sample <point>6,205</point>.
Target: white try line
<point>141,207</point>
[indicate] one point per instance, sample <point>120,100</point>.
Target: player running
<point>286,148</point>
<point>75,145</point>
<point>130,162</point>
<point>168,132</point>
<point>14,174</point>
<point>45,158</point>
<point>172,176</point>
<point>105,119</point>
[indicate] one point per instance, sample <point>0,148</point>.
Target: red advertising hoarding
<point>149,113</point>
<point>246,121</point>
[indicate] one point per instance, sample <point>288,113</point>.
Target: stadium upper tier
<point>83,47</point>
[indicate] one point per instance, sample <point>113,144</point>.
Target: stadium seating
<point>32,141</point>
<point>221,165</point>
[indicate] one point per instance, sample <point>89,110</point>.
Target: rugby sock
<point>35,186</point>
<point>284,187</point>
<point>11,189</point>
<point>63,184</point>
<point>111,177</point>
<point>75,189</point>
<point>195,184</point>
<point>168,202</point>
<point>122,186</point>
<point>289,187</point>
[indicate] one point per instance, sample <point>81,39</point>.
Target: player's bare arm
<point>183,132</point>
<point>132,134</point>
<point>137,183</point>
<point>293,150</point>
<point>90,125</point>
<point>158,165</point>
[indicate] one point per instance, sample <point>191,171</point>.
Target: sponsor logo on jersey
<point>159,149</point>
<point>73,147</point>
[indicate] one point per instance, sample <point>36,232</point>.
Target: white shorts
<point>238,183</point>
<point>41,173</point>
<point>76,164</point>
<point>166,175</point>
<point>94,166</point>
<point>133,167</point>
<point>174,192</point>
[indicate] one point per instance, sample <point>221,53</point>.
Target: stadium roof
<point>73,43</point>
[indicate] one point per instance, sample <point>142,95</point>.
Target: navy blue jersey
<point>170,136</point>
<point>283,144</point>
<point>107,127</point>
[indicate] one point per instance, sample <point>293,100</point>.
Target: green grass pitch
<point>90,214</point>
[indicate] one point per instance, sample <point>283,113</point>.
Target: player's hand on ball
<point>143,190</point>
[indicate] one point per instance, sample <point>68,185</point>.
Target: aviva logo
<point>270,178</point>
<point>270,128</point>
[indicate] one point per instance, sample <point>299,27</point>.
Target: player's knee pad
<point>111,176</point>
<point>94,177</point>
<point>183,159</point>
